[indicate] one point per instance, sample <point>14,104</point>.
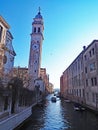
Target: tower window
<point>34,29</point>
<point>35,62</point>
<point>39,30</point>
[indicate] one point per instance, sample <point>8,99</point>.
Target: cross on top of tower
<point>39,14</point>
<point>39,9</point>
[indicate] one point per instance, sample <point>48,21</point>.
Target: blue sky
<point>68,26</point>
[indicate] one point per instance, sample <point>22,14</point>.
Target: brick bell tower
<point>35,49</point>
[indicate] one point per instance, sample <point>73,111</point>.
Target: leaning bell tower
<point>35,48</point>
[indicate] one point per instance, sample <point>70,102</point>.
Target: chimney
<point>84,47</point>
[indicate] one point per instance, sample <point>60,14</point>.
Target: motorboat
<point>53,99</point>
<point>78,107</point>
<point>67,100</point>
<point>40,104</point>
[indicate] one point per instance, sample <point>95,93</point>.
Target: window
<point>77,92</point>
<point>80,92</point>
<point>85,57</point>
<point>93,51</point>
<point>94,81</point>
<point>1,32</point>
<point>86,82</point>
<point>5,59</point>
<point>93,97</point>
<point>92,66</point>
<point>83,92</point>
<point>39,30</point>
<point>34,29</point>
<point>90,53</point>
<point>87,94</point>
<point>85,69</point>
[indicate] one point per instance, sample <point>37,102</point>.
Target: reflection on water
<point>60,116</point>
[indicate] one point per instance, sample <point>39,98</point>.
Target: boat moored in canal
<point>53,99</point>
<point>67,100</point>
<point>78,107</point>
<point>40,104</point>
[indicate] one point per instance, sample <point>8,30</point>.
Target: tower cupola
<point>39,16</point>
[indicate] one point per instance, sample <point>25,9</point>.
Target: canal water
<point>60,116</point>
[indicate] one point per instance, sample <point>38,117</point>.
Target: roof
<point>39,16</point>
<point>9,33</point>
<point>2,20</point>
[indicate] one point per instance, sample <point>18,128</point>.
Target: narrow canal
<point>60,116</point>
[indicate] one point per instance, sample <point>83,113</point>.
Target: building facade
<point>7,53</point>
<point>90,58</point>
<point>36,48</point>
<point>79,82</point>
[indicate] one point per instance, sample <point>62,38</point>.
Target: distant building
<point>79,82</point>
<point>44,76</point>
<point>22,73</point>
<point>63,86</point>
<point>39,82</point>
<point>50,89</point>
<point>48,86</point>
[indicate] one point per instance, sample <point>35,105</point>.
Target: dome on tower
<point>39,15</point>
